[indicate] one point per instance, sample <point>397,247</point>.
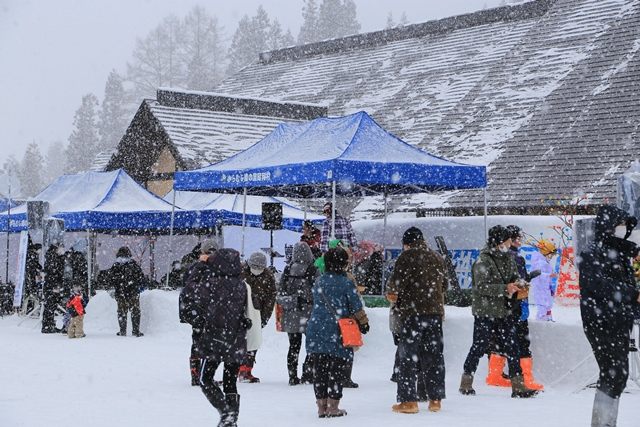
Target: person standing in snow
<point>263,295</point>
<point>76,264</point>
<point>53,286</point>
<point>126,278</point>
<point>416,288</point>
<point>333,294</point>
<point>312,236</point>
<point>221,303</point>
<point>542,286</point>
<point>343,230</point>
<point>196,275</point>
<point>76,309</point>
<point>295,297</point>
<point>608,298</point>
<point>495,281</point>
<point>520,313</point>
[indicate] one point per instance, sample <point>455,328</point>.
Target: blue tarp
<point>106,201</point>
<point>354,151</point>
<point>230,207</point>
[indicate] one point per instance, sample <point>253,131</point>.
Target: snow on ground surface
<point>104,380</point>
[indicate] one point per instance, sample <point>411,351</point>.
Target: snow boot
<point>496,366</point>
<point>293,380</point>
<point>605,410</point>
<point>526,363</point>
<point>137,334</point>
<point>245,375</point>
<point>405,408</point>
<point>435,405</point>
<point>333,410</point>
<point>229,416</point>
<point>194,367</point>
<point>466,385</point>
<point>519,390</point>
<point>348,382</point>
<point>322,408</point>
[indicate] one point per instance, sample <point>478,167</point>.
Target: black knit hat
<point>123,252</point>
<point>498,234</point>
<point>515,232</point>
<point>412,235</point>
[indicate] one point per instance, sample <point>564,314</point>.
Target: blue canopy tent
<point>328,156</point>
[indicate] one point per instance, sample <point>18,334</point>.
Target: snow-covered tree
<point>83,142</point>
<point>337,18</point>
<point>203,50</point>
<point>54,162</point>
<point>390,22</point>
<point>114,116</point>
<point>30,172</point>
<point>276,38</point>
<point>309,32</point>
<point>156,59</point>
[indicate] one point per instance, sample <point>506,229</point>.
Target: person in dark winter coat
<point>333,295</point>
<point>76,268</point>
<point>33,269</point>
<point>196,275</point>
<point>126,278</point>
<point>608,299</point>
<point>495,281</point>
<point>221,303</point>
<point>312,235</point>
<point>53,286</point>
<point>296,299</point>
<point>263,295</point>
<point>416,287</point>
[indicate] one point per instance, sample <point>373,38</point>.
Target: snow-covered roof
<point>544,93</point>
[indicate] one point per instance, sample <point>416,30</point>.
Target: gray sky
<point>54,51</point>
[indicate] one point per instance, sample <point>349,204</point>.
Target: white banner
<point>22,267</point>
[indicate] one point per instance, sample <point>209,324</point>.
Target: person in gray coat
<point>296,299</point>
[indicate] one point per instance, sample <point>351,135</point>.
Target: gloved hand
<point>364,328</point>
<point>245,323</point>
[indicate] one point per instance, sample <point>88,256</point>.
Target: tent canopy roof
<point>362,157</point>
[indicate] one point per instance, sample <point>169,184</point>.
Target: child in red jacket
<point>75,307</point>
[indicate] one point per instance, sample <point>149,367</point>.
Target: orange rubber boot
<point>496,366</point>
<point>526,363</point>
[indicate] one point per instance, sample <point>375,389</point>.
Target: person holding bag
<point>333,331</point>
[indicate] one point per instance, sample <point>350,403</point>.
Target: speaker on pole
<point>272,216</point>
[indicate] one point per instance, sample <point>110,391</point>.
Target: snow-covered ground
<point>106,381</point>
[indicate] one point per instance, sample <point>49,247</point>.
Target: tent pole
<point>244,219</point>
<point>89,261</point>
<point>173,215</point>
<point>333,209</point>
<point>485,213</point>
<point>6,275</point>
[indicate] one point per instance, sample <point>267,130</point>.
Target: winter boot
<point>526,363</point>
<point>194,367</point>
<point>519,390</point>
<point>322,408</point>
<point>229,416</point>
<point>348,382</point>
<point>466,385</point>
<point>405,408</point>
<point>435,405</point>
<point>496,366</point>
<point>245,375</point>
<point>215,396</point>
<point>333,410</point>
<point>605,410</point>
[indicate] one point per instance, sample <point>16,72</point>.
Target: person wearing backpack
<point>294,295</point>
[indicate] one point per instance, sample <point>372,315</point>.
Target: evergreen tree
<point>11,168</point>
<point>54,162</point>
<point>309,29</point>
<point>390,22</point>
<point>240,52</point>
<point>30,172</point>
<point>114,116</point>
<point>156,59</point>
<point>337,18</point>
<point>276,39</point>
<point>403,20</point>
<point>83,142</point>
<point>203,50</point>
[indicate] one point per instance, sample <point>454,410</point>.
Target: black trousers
<point>195,338</point>
<point>524,343</point>
<point>49,312</point>
<point>611,348</point>
<point>295,344</point>
<point>125,306</point>
<point>502,332</point>
<point>420,357</point>
<point>212,392</point>
<point>328,376</point>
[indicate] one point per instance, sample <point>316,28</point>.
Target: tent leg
<point>485,213</point>
<point>173,215</point>
<point>244,220</point>
<point>333,209</point>
<point>384,241</point>
<point>152,257</point>
<point>89,264</point>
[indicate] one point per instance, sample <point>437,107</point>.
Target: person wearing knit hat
<point>263,295</point>
<point>411,236</point>
<point>542,286</point>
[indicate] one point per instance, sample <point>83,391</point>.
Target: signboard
<point>22,267</point>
